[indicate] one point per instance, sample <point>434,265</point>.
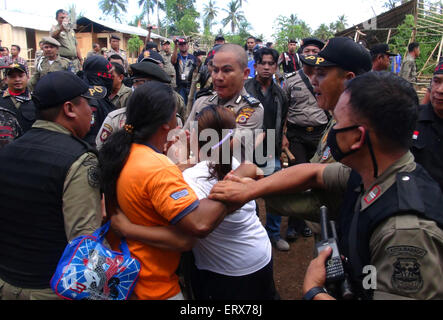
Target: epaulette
<point>250,100</point>
<point>116,113</point>
<point>203,93</point>
<point>289,75</point>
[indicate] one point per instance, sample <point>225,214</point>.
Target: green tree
<point>323,32</point>
<point>289,27</point>
<point>113,8</point>
<point>235,15</point>
<point>210,12</point>
<point>134,45</point>
<point>147,7</point>
<point>181,16</point>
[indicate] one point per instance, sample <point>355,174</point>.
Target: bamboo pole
<point>439,51</point>
<point>389,36</point>
<point>429,58</point>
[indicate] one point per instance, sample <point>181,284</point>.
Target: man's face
<point>50,51</point>
<point>97,49</point>
<point>116,80</point>
<point>14,51</point>
<point>267,67</point>
<point>137,82</point>
<point>437,93</point>
<point>183,47</point>
<point>61,16</point>
<point>115,44</point>
<point>251,44</point>
<point>17,81</point>
<point>166,47</point>
<point>228,76</point>
<point>310,50</point>
<point>4,52</point>
<point>84,117</point>
<point>292,47</point>
<point>343,115</point>
<point>384,61</point>
<point>220,42</point>
<point>417,52</point>
<point>328,83</point>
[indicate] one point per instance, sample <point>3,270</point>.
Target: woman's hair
<point>219,119</point>
<point>150,106</point>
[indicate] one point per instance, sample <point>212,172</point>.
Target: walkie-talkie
<point>334,265</point>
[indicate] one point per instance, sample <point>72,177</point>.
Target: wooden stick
<point>430,56</point>
<point>439,51</point>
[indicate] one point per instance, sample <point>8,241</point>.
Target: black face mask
<point>340,155</point>
<point>333,145</point>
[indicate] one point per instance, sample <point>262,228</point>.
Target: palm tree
<point>148,6</point>
<point>235,15</point>
<point>210,11</point>
<point>160,6</point>
<point>341,23</point>
<point>323,32</point>
<point>113,7</point>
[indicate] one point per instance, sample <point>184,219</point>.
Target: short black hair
<point>17,46</point>
<point>250,37</point>
<point>118,68</point>
<point>389,104</point>
<point>412,46</point>
<point>59,11</point>
<point>95,45</point>
<point>116,56</point>
<point>258,56</point>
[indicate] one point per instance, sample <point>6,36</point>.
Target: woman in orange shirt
<point>151,191</point>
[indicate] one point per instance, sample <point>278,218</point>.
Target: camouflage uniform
<point>9,127</point>
<point>44,67</point>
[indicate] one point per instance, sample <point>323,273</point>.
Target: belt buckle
<point>309,129</point>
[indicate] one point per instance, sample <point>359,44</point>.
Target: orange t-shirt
<point>151,191</point>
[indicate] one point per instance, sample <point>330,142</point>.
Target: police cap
<point>341,52</point>
<point>15,66</point>
<point>165,42</point>
<point>50,40</point>
<point>98,65</point>
<point>58,87</point>
<point>219,38</point>
<point>382,49</point>
<point>312,42</point>
<point>115,37</point>
<point>146,69</point>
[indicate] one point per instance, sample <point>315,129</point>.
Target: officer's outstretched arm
<point>294,179</point>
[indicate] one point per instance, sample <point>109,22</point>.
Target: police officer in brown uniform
<point>57,196</point>
<point>306,121</point>
<point>391,220</point>
<point>166,55</point>
<point>115,49</point>
<point>229,73</point>
<point>65,35</point>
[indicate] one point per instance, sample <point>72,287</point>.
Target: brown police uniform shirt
<point>81,191</point>
<point>44,67</point>
<point>121,53</point>
<point>405,249</point>
<point>323,153</point>
<point>67,40</point>
<point>169,67</point>
<point>303,108</point>
<point>122,96</point>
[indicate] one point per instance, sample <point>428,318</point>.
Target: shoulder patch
<point>180,194</point>
<point>251,100</point>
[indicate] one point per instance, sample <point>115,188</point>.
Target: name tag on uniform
<point>180,194</point>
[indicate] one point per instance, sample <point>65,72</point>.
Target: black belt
<point>306,129</point>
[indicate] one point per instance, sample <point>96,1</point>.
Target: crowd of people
<point>83,142</point>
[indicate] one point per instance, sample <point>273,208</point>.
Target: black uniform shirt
<point>427,142</point>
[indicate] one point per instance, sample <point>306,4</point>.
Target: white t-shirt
<point>239,245</point>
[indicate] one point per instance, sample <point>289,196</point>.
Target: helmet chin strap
<point>371,151</point>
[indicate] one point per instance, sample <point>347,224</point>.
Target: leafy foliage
<point>113,8</point>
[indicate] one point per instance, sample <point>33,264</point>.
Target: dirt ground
<point>289,266</point>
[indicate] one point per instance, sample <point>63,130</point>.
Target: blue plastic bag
<point>88,270</point>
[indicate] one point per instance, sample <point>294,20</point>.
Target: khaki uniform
<point>169,67</point>
<point>121,53</point>
<point>68,48</point>
<point>408,69</point>
<point>122,96</point>
<point>323,153</point>
<point>44,67</point>
<point>81,210</point>
<point>116,120</point>
<point>249,113</point>
<point>404,240</point>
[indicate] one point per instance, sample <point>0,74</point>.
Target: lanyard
<point>184,63</point>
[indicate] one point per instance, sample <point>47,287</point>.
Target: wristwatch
<point>313,292</point>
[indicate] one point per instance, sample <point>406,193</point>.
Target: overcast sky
<point>262,14</point>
